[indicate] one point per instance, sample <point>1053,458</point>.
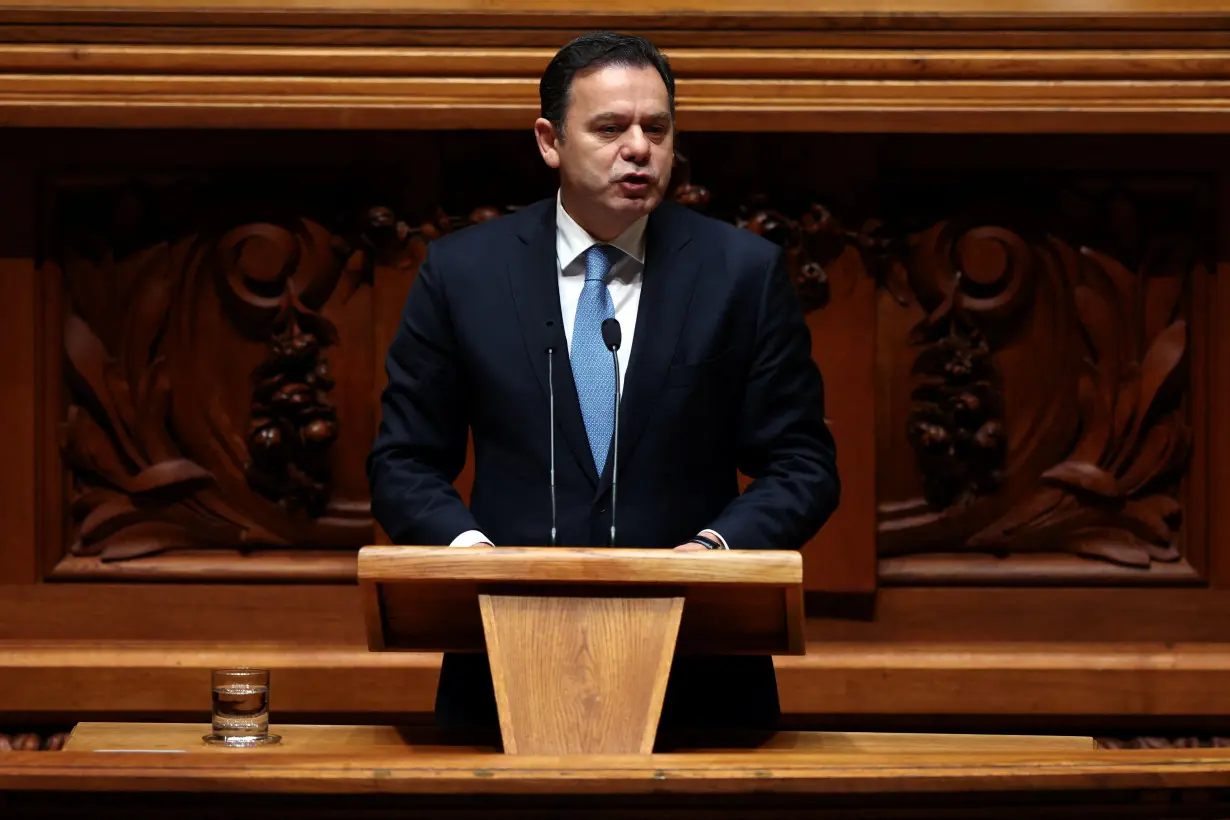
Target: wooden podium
<point>580,640</point>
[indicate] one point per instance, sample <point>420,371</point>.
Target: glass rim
<point>240,671</point>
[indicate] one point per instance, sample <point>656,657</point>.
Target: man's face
<point>617,148</point>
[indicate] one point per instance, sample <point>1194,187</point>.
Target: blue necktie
<point>592,365</point>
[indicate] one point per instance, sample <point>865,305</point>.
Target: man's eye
<point>609,129</point>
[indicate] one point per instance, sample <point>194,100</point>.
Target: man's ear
<point>548,141</point>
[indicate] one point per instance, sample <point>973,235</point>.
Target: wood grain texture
<point>368,739</point>
<point>116,680</point>
<point>212,614</point>
<point>996,615</point>
<point>373,619</point>
<point>297,739</point>
<point>113,680</point>
<point>869,36</point>
<point>424,598</point>
<point>470,102</point>
<point>436,616</point>
<point>279,566</point>
<point>842,555</point>
<point>750,63</point>
<point>579,675</point>
<point>71,680</point>
<point>988,679</point>
<point>580,565</point>
<point>915,14</point>
<point>683,774</point>
<point>882,743</point>
<point>1026,570</point>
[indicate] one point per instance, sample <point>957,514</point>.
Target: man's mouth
<point>635,182</point>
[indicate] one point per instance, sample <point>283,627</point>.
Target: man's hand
<point>690,547</point>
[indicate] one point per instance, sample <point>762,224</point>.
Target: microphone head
<point>550,337</point>
<point>612,334</point>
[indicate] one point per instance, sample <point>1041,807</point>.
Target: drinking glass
<point>241,707</point>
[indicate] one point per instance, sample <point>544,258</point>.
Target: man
<point>715,367</point>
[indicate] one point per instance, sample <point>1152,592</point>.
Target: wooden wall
<point>1008,231</point>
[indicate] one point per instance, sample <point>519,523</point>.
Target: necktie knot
<point>599,260</point>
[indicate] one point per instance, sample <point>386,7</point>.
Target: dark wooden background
<point>1017,331</point>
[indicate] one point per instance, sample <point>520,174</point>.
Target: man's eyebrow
<point>615,115</point>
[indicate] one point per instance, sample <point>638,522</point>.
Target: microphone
<point>612,337</point>
<point>551,399</point>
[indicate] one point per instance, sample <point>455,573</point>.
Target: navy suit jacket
<point>720,380</point>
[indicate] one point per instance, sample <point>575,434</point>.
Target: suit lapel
<point>533,280</point>
<point>666,293</point>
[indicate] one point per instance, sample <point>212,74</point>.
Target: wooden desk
<point>378,772</point>
<point>334,740</point>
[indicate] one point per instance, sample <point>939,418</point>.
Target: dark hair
<point>597,49</point>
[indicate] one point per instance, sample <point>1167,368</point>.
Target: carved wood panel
<point>1037,364</point>
<point>210,338</point>
<point>1037,342</point>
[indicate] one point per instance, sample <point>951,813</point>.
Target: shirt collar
<point>573,240</point>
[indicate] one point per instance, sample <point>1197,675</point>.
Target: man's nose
<point>636,145</point>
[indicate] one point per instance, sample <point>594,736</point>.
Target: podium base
<point>581,673</point>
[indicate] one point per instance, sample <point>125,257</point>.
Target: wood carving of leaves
<point>1114,498</point>
<point>1111,544</point>
<point>135,504</point>
<point>1081,476</point>
<point>136,490</point>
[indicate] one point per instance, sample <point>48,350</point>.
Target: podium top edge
<point>580,565</point>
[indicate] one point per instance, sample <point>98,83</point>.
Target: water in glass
<point>240,709</point>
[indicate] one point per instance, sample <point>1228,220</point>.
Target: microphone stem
<point>615,445</point>
<point>551,393</point>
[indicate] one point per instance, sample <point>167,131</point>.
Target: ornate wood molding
<point>942,66</point>
<point>806,15</point>
<point>207,60</point>
<point>1114,492</point>
<point>480,102</point>
<point>166,449</point>
<point>27,741</point>
<point>1118,341</point>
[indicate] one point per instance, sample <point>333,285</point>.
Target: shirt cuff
<point>718,537</point>
<point>470,538</point>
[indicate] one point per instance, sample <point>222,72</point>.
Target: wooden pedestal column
<point>576,674</point>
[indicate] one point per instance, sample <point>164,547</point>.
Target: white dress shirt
<point>623,282</point>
